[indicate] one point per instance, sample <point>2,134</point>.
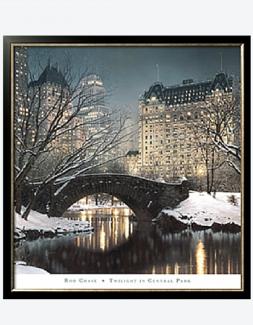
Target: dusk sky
<point>128,71</point>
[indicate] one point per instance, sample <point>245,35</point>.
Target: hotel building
<point>168,117</point>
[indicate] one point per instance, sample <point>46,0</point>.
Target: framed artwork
<point>126,167</point>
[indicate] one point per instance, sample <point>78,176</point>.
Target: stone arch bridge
<point>146,198</point>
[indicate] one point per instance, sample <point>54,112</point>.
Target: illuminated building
<point>20,85</point>
<point>132,162</point>
<point>21,75</point>
<point>50,95</point>
<point>95,114</point>
<point>167,133</point>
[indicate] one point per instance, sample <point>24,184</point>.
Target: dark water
<point>120,246</point>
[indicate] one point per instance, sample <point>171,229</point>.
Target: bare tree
<point>209,156</point>
<point>217,136</point>
<point>223,127</point>
<point>44,128</point>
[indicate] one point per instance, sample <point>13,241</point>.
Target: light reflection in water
<point>112,227</point>
<point>176,268</point>
<point>215,262</point>
<point>200,256</point>
<point>102,238</point>
<point>78,241</point>
<point>121,246</point>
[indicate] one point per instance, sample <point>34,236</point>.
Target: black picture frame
<point>9,293</point>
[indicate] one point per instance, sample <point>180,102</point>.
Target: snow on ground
<point>22,268</point>
<point>42,223</point>
<point>203,209</point>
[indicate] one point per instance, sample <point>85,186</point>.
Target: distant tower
<point>95,113</point>
<point>93,88</point>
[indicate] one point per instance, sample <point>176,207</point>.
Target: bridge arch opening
<point>102,201</point>
<point>59,207</point>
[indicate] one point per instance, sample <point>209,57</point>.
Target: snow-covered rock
<point>202,209</point>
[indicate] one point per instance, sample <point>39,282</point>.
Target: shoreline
<point>199,211</point>
<point>40,225</point>
<point>202,211</point>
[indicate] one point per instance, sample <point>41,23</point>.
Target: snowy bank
<point>41,225</point>
<point>201,210</point>
<point>22,268</point>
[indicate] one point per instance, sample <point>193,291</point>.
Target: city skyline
<point>128,72</point>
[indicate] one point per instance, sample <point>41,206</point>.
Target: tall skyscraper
<point>20,85</point>
<point>95,114</point>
